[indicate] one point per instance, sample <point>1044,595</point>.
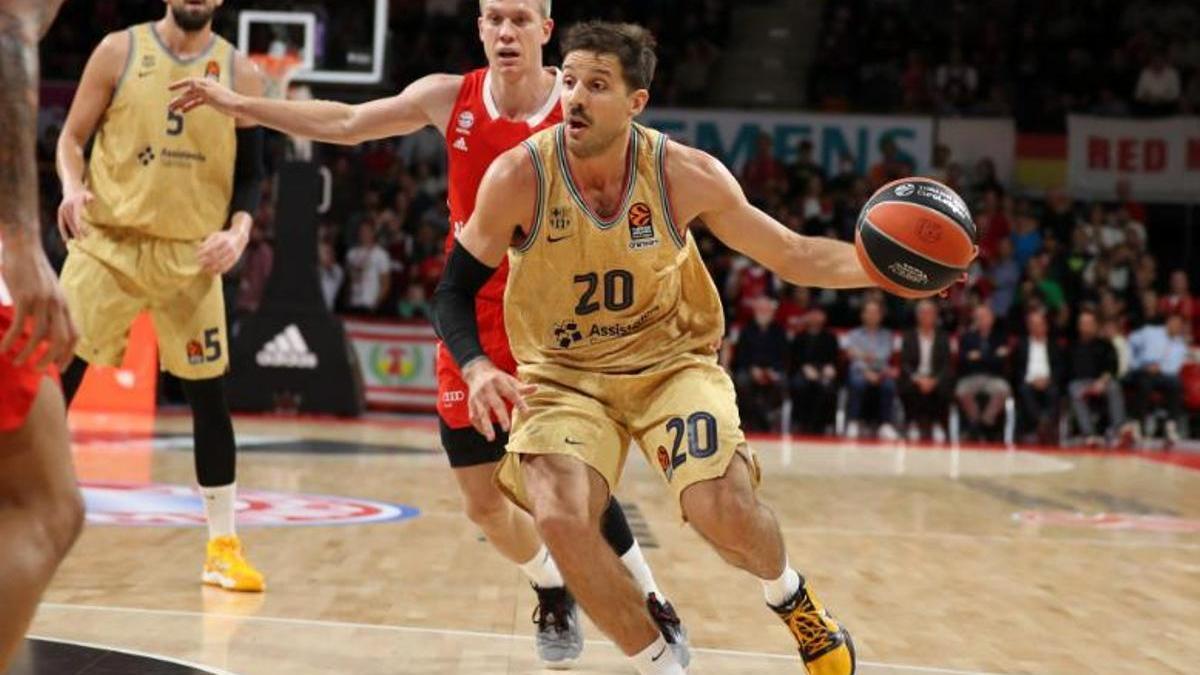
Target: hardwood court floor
<point>939,561</point>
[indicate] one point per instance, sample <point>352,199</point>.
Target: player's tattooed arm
<point>703,189</point>
<point>38,303</point>
<point>19,32</point>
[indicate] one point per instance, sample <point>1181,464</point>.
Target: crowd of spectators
<point>1066,315</point>
<point>1034,59</point>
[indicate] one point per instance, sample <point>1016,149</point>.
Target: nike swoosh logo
<point>570,441</point>
<point>660,653</point>
<point>555,240</point>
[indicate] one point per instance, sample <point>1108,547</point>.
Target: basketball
<point>915,237</point>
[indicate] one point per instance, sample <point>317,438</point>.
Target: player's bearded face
<point>597,104</point>
<point>513,33</point>
<point>193,15</point>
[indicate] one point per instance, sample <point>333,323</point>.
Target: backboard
<point>337,42</point>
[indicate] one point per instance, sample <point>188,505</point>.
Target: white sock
<point>779,591</point>
<point>542,570</point>
<point>657,659</point>
<point>218,509</point>
<point>635,562</point>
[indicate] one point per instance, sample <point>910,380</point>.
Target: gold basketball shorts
<point>111,275</point>
<point>683,415</point>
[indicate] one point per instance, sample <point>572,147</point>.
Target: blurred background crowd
<point>1069,326</point>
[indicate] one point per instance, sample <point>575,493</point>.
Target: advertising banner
<point>397,362</point>
<point>1160,158</point>
<point>731,135</point>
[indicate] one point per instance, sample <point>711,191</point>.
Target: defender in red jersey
<point>41,510</point>
<point>481,115</point>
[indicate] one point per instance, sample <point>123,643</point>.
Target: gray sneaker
<point>559,635</point>
<point>671,627</point>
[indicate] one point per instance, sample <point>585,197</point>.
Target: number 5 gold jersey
<point>615,295</point>
<point>163,174</point>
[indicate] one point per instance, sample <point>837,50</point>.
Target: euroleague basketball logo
<point>181,506</point>
<point>641,227</point>
<point>212,70</point>
<point>905,189</point>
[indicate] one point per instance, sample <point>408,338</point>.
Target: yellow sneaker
<point>825,645</point>
<point>227,567</point>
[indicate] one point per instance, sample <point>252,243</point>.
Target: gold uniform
<point>162,183</point>
<point>617,322</point>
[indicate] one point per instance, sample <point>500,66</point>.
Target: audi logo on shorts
<point>457,396</point>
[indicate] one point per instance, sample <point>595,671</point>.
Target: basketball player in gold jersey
<point>40,507</point>
<point>162,211</point>
<point>481,114</point>
<point>613,321</point>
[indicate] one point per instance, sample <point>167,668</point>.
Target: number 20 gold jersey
<point>607,295</point>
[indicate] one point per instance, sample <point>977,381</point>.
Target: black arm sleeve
<point>454,304</point>
<point>247,171</point>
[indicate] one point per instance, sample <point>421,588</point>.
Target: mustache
<point>578,113</point>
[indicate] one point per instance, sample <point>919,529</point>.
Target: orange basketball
<point>915,237</point>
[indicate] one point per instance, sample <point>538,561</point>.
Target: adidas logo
<point>287,350</point>
<point>460,144</point>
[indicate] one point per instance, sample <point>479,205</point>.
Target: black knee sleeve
<point>616,528</point>
<point>212,431</point>
<point>72,377</point>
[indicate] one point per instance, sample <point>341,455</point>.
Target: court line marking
<point>457,633</point>
<point>133,652</point>
<point>954,536</point>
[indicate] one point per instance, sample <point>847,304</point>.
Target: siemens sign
<point>732,135</point>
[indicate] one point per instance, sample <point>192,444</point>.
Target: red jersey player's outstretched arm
<point>427,101</point>
<point>35,294</point>
<point>703,189</point>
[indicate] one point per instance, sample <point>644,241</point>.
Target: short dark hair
<point>630,43</point>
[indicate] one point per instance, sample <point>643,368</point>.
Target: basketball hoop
<point>277,70</point>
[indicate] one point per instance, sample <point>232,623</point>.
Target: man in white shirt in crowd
<point>331,274</point>
<point>1158,87</point>
<point>370,272</point>
<point>1037,367</point>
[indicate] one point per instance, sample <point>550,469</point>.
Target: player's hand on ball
<point>193,92</point>
<point>70,214</point>
<point>220,251</point>
<point>489,391</point>
<point>36,298</point>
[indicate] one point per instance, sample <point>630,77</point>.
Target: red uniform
<point>18,384</point>
<point>476,135</point>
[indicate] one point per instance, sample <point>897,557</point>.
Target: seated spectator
<point>1157,354</point>
<point>1092,372</point>
<point>925,377</point>
<point>956,82</point>
<point>869,349</point>
<point>982,355</point>
<point>763,174</point>
<point>1111,330</point>
<point>1179,300</point>
<point>255,265</point>
<point>331,274</point>
<point>814,374</point>
<point>370,272</point>
<point>759,366</point>
<point>1158,87</point>
<point>890,167</point>
<point>1005,275</point>
<point>1037,365</point>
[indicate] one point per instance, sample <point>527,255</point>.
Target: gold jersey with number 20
<point>607,295</point>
